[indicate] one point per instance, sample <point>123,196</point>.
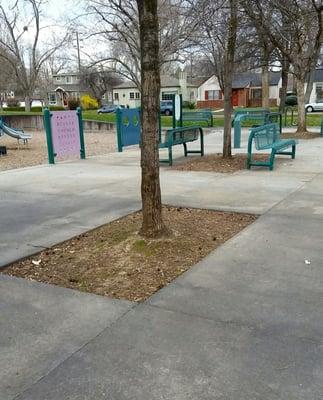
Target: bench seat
<point>267,137</point>
<point>182,135</point>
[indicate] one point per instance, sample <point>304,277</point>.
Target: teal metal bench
<point>321,132</point>
<point>267,137</point>
<point>199,116</point>
<point>182,135</point>
<point>258,118</point>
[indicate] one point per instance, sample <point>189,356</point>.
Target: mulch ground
<point>303,135</point>
<point>216,163</point>
<point>35,153</point>
<point>114,260</point>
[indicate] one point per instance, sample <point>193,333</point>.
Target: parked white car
<point>317,106</point>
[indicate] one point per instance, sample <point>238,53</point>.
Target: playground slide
<point>18,134</point>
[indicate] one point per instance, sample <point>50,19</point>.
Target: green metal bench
<point>182,135</point>
<point>267,137</point>
<point>321,132</point>
<point>199,116</point>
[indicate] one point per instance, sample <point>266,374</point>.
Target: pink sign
<point>65,133</point>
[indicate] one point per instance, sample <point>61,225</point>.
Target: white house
<point>127,93</point>
<point>317,91</point>
<point>246,90</point>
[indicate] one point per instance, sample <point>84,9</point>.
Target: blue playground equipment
<point>128,127</point>
<point>129,131</point>
<point>18,134</point>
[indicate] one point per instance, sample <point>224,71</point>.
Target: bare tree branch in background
<point>116,23</point>
<point>294,27</point>
<point>26,59</point>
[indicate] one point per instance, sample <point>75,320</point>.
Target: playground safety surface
<point>114,260</point>
<point>35,153</point>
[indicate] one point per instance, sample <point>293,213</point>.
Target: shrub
<point>189,104</point>
<point>34,109</point>
<point>89,103</point>
<point>12,102</point>
<point>291,100</point>
<point>73,104</point>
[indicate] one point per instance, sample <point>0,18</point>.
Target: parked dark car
<point>107,109</point>
<point>166,107</point>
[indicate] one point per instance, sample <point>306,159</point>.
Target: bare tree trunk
<point>228,74</point>
<point>283,93</point>
<point>301,118</point>
<point>27,104</point>
<point>152,225</point>
<point>265,86</point>
<point>309,87</point>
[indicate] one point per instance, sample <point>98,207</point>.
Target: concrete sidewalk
<point>44,205</point>
<point>246,323</point>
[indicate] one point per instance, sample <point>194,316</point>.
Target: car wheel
<point>309,109</point>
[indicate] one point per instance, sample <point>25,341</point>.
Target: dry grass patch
<point>114,260</point>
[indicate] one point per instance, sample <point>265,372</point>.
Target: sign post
<point>177,110</point>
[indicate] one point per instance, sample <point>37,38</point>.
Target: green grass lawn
<point>313,119</point>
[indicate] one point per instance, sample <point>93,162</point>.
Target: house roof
<point>253,79</point>
<point>67,88</point>
<point>165,81</point>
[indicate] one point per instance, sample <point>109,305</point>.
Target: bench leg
<point>272,159</point>
<point>249,159</point>
<point>170,155</point>
<point>293,151</point>
<point>202,143</point>
<point>185,149</point>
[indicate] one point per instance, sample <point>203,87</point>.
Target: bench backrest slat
<point>181,135</point>
<point>264,136</point>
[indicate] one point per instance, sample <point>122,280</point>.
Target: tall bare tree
<point>7,83</point>
<point>26,58</point>
<point>152,225</point>
<point>99,80</point>
<point>116,23</point>
<point>217,40</point>
<point>294,27</point>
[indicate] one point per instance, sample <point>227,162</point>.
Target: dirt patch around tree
<point>303,135</point>
<point>216,163</point>
<point>113,260</point>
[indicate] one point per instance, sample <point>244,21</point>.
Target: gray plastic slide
<point>18,134</point>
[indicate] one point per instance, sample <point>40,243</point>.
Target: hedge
<point>33,109</point>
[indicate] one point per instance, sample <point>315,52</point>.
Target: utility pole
<point>78,52</point>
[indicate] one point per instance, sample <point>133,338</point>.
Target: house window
<point>256,94</point>
<point>167,96</point>
<point>137,95</point>
<point>58,78</point>
<point>319,91</point>
<point>68,79</point>
<point>213,95</point>
<point>52,98</point>
<point>116,96</point>
<point>131,95</point>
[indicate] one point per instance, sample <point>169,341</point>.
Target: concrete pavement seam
<point>17,396</point>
